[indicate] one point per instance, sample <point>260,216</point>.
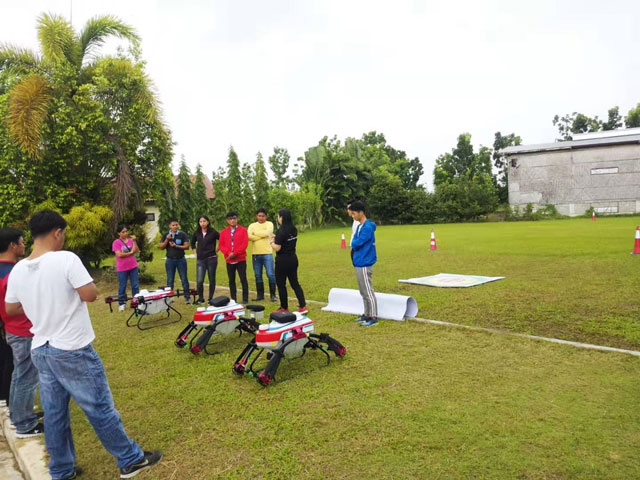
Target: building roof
<point>584,140</point>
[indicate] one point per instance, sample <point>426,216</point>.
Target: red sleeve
<point>242,242</point>
<point>225,242</point>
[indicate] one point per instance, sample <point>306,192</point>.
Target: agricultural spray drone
<point>287,335</point>
<point>150,303</point>
<point>222,317</point>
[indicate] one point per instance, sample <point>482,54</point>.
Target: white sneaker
<point>121,308</point>
<point>3,403</point>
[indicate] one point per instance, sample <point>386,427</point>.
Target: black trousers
<point>287,267</point>
<point>241,268</point>
<point>6,367</point>
<point>204,266</point>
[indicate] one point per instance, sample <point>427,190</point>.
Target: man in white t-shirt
<point>51,287</point>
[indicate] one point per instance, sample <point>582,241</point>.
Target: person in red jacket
<point>233,244</point>
<point>24,380</point>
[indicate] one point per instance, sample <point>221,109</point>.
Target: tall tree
<point>90,124</point>
<point>184,197</point>
<point>221,204</point>
<point>614,120</point>
<point>573,123</point>
<point>260,182</point>
<point>234,181</point>
<point>376,152</point>
<point>501,179</point>
<point>248,204</point>
<point>201,204</point>
<point>279,163</point>
<point>463,181</point>
<point>633,117</point>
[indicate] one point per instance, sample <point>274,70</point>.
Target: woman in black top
<point>204,242</point>
<point>284,244</point>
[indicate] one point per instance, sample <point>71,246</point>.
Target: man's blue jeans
<point>265,260</point>
<point>78,374</point>
<point>24,382</point>
<point>181,265</point>
<point>122,284</point>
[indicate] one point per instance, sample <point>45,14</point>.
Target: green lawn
<point>410,400</point>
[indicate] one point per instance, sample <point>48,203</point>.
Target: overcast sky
<point>259,73</point>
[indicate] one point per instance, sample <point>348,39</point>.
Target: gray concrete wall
<point>564,178</point>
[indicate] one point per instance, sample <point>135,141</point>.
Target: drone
<point>222,317</point>
<point>288,335</point>
<point>150,303</point>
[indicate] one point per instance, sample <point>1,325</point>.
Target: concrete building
<point>600,170</point>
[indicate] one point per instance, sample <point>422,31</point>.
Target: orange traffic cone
<point>593,216</point>
<point>636,246</point>
<point>343,242</point>
<point>433,241</point>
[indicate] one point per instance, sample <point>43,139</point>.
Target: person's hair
<point>9,235</point>
<point>208,222</point>
<point>45,221</point>
<point>261,210</point>
<point>357,206</point>
<point>287,225</point>
<point>231,214</point>
<point>121,227</point>
<point>350,202</point>
<point>171,220</point>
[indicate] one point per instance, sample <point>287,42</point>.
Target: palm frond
<point>28,105</point>
<point>18,59</point>
<point>57,39</point>
<point>98,29</point>
<point>126,183</point>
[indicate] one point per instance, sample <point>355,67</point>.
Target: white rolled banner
<point>390,306</point>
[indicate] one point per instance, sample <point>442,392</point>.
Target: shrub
<point>88,232</point>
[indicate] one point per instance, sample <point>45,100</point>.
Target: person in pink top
<point>125,248</point>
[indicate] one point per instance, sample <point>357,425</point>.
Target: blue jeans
<point>181,264</point>
<point>78,374</point>
<point>265,260</point>
<point>206,265</point>
<point>24,381</point>
<point>122,284</point>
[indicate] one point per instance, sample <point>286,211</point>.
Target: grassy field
<point>410,400</point>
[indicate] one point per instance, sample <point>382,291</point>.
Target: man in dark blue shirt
<point>176,242</point>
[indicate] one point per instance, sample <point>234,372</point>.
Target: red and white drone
<point>151,303</point>
<point>222,317</point>
<point>288,335</point>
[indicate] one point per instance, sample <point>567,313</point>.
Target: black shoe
<point>34,432</point>
<point>77,471</point>
<point>148,461</point>
<point>274,298</point>
<point>257,299</point>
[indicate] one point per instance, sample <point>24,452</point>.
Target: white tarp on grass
<point>392,307</point>
<point>451,280</point>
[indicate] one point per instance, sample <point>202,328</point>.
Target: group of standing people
<point>46,333</point>
<point>46,324</point>
<point>232,242</point>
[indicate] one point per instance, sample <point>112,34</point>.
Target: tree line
<point>83,133</point>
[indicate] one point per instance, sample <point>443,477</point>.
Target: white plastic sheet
<point>392,307</point>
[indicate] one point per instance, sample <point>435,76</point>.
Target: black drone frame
<point>200,341</point>
<point>268,374</point>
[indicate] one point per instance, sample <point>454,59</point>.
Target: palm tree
<point>74,57</point>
